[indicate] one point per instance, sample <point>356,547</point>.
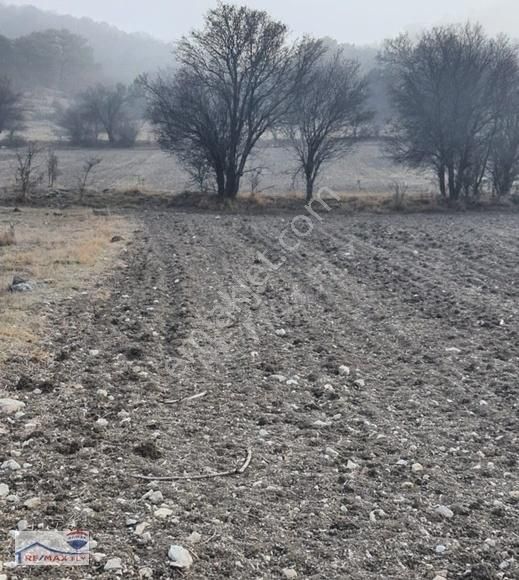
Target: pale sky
<point>356,21</point>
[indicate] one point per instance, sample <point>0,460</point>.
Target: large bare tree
<point>328,109</point>
<point>446,90</point>
<point>236,80</point>
<point>503,157</point>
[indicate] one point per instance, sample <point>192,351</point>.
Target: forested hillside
<point>120,56</point>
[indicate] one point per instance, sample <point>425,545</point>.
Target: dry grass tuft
<point>8,238</point>
<point>59,253</point>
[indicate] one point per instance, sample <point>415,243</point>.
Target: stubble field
<point>366,170</point>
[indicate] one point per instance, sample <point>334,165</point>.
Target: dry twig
<point>237,471</point>
<point>192,398</point>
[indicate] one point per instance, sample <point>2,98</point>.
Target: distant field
<point>367,169</point>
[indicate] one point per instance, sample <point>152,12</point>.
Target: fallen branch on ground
<point>184,400</point>
<point>237,471</point>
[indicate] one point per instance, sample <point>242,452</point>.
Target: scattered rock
<point>351,465</point>
<point>320,423</point>
<point>514,495</point>
<point>194,538</point>
<point>440,549</point>
<point>331,452</point>
<point>360,383</point>
<point>453,350</point>
<point>113,564</point>
<point>180,557</point>
<point>32,503</point>
<point>279,378</point>
<point>444,511</point>
<point>19,284</point>
<point>11,406</point>
<point>11,464</point>
<point>289,573</point>
<point>116,239</point>
<point>22,525</point>
<point>344,371</point>
<point>281,332</point>
<point>163,513</point>
<point>4,490</point>
<point>102,422</point>
<point>141,528</point>
<point>417,467</point>
<point>145,573</point>
<point>155,497</point>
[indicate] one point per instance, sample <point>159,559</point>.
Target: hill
<point>122,56</point>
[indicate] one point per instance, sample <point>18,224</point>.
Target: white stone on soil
<point>194,538</point>
<point>180,557</point>
<point>11,464</point>
<point>163,513</point>
<point>444,511</point>
<point>32,503</point>
<point>113,564</point>
<point>11,406</point>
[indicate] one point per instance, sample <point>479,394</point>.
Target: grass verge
<point>60,253</point>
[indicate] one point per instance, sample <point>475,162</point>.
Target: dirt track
<point>347,472</point>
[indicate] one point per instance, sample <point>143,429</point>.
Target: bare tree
<point>445,89</point>
<point>236,80</point>
<point>328,109</point>
<point>28,172</point>
<point>80,126</point>
<point>503,158</point>
<point>101,109</point>
<point>11,109</point>
<point>83,176</point>
<point>53,171</point>
<point>107,106</point>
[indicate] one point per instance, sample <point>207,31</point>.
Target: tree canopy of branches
<point>11,108</point>
<point>328,109</point>
<point>236,80</point>
<point>101,109</point>
<point>447,90</point>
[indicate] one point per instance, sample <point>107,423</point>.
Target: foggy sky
<point>356,21</point>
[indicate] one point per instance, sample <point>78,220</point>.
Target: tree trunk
<point>453,191</point>
<point>443,185</point>
<point>220,183</point>
<point>309,189</point>
<point>232,185</point>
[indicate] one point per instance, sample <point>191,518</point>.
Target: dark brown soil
<point>422,309</point>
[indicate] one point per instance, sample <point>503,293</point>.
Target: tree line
<point>53,59</point>
<point>453,99</point>
<point>454,95</point>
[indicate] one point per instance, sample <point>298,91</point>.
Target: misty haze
<point>259,287</point>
